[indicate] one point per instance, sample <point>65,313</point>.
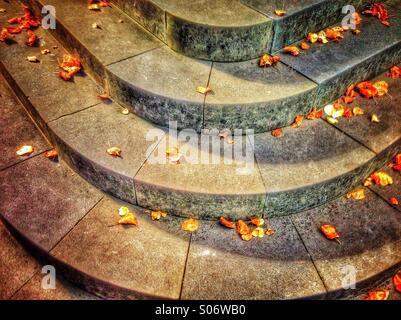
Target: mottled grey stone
<point>370,235</point>
<point>203,185</point>
<point>222,30</point>
<point>301,17</point>
<point>249,97</point>
<point>377,136</point>
<point>334,66</point>
<point>84,138</point>
<point>16,129</point>
<point>309,166</point>
<point>51,96</point>
<point>390,191</point>
<point>43,200</point>
<point>16,265</point>
<point>141,261</point>
<point>161,87</point>
<point>64,291</point>
<point>222,266</point>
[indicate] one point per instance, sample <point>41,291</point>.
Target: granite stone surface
<point>207,183</point>
<point>43,200</point>
<point>16,129</point>
<point>309,166</point>
<point>370,236</point>
<point>148,259</point>
<point>377,136</point>
<point>161,87</point>
<point>222,266</point>
<point>249,97</point>
<point>16,265</point>
<point>301,17</point>
<point>84,138</point>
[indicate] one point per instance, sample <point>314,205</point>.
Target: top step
<point>233,30</point>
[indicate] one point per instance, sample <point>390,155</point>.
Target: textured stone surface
<point>222,30</point>
<point>148,259</point>
<point>309,166</point>
<point>370,232</point>
<point>84,138</point>
<point>390,191</point>
<point>222,266</point>
<point>51,96</point>
<point>16,129</point>
<point>16,265</point>
<point>203,184</point>
<point>301,17</point>
<point>334,66</point>
<point>64,291</point>
<point>45,200</point>
<point>377,136</point>
<point>262,99</point>
<point>161,86</point>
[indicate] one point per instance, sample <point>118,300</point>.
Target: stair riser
<point>200,41</point>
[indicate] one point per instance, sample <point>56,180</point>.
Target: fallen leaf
<point>395,72</point>
<point>356,31</point>
<point>95,26</point>
<point>358,194</point>
<point>357,111</point>
<point>397,159</point>
<point>204,90</point>
<point>190,225</point>
<point>280,12</point>
<point>33,59</point>
<point>330,232</point>
<point>128,219</point>
<point>70,66</point>
<point>379,11</point>
<point>242,228</point>
<point>31,38</point>
<point>350,94</point>
<point>315,114</point>
<point>393,201</point>
<point>246,237</point>
<point>157,215</point>
<point>258,222</point>
<point>375,118</point>
<point>44,51</point>
<point>51,155</point>
<point>297,122</point>
<point>357,19</point>
<point>380,178</point>
<point>312,37</point>
<point>397,282</point>
<point>227,223</point>
<point>381,87</point>
<point>367,89</point>
<point>114,151</point>
<point>304,46</point>
<point>331,120</point>
<point>396,167</point>
<point>267,60</point>
<point>25,150</point>
<point>322,38</point>
<point>334,34</point>
<point>348,113</point>
<point>2,10</point>
<point>125,111</point>
<point>4,35</point>
<point>123,211</point>
<point>278,133</point>
<point>269,231</point>
<point>292,50</point>
<point>103,97</point>
<point>378,295</point>
<point>258,232</point>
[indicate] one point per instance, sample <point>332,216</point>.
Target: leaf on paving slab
<point>51,155</point>
<point>395,72</point>
<point>375,118</point>
<point>315,114</point>
<point>157,214</point>
<point>297,121</point>
<point>33,59</point>
<point>278,133</point>
<point>114,151</point>
<point>358,194</point>
<point>227,223</point>
<point>397,282</point>
<point>381,87</point>
<point>393,201</point>
<point>31,40</point>
<point>128,219</point>
<point>269,231</point>
<point>204,90</point>
<point>292,50</point>
<point>312,37</point>
<point>379,11</point>
<point>190,225</point>
<point>258,232</point>
<point>330,232</point>
<point>258,222</point>
<point>25,150</point>
<point>304,46</point>
<point>357,111</point>
<point>379,178</point>
<point>242,228</point>
<point>350,94</point>
<point>267,60</point>
<point>378,295</point>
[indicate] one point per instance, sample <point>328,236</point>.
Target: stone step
<point>159,84</point>
<point>306,168</point>
<point>67,223</point>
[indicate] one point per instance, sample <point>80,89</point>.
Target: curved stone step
<point>160,85</point>
<point>224,30</point>
<point>72,226</point>
<point>306,168</point>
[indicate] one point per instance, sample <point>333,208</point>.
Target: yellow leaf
<point>358,194</point>
<point>157,215</point>
<point>258,232</point>
<point>25,150</point>
<point>190,225</point>
<point>114,151</point>
<point>269,231</point>
<point>128,219</point>
<point>375,118</point>
<point>32,59</point>
<point>280,12</point>
<point>246,237</point>
<point>204,90</point>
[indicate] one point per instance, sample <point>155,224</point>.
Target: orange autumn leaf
<point>395,72</point>
<point>242,228</point>
<point>268,60</point>
<point>292,50</point>
<point>128,219</point>
<point>397,159</point>
<point>396,167</point>
<point>378,295</point>
<point>51,155</point>
<point>31,38</point>
<point>25,150</point>
<point>70,66</point>
<point>381,87</point>
<point>367,89</point>
<point>304,46</point>
<point>330,232</point>
<point>357,19</point>
<point>358,194</point>
<point>379,178</point>
<point>315,114</point>
<point>114,151</point>
<point>269,231</point>
<point>357,111</point>
<point>280,12</point>
<point>258,222</point>
<point>277,133</point>
<point>393,201</point>
<point>156,214</point>
<point>348,113</point>
<point>297,122</point>
<point>333,34</point>
<point>190,225</point>
<point>397,282</point>
<point>227,223</point>
<point>379,11</point>
<point>356,31</point>
<point>350,94</point>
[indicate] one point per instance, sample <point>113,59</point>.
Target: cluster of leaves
<point>385,294</point>
<point>26,21</point>
<point>247,230</point>
<point>379,11</point>
<point>70,66</point>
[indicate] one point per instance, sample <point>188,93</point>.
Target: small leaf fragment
<point>227,223</point>
<point>393,201</point>
<point>51,155</point>
<point>278,133</point>
<point>25,150</point>
<point>114,151</point>
<point>297,121</point>
<point>280,12</point>
<point>375,118</point>
<point>397,282</point>
<point>33,59</point>
<point>204,90</point>
<point>269,231</point>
